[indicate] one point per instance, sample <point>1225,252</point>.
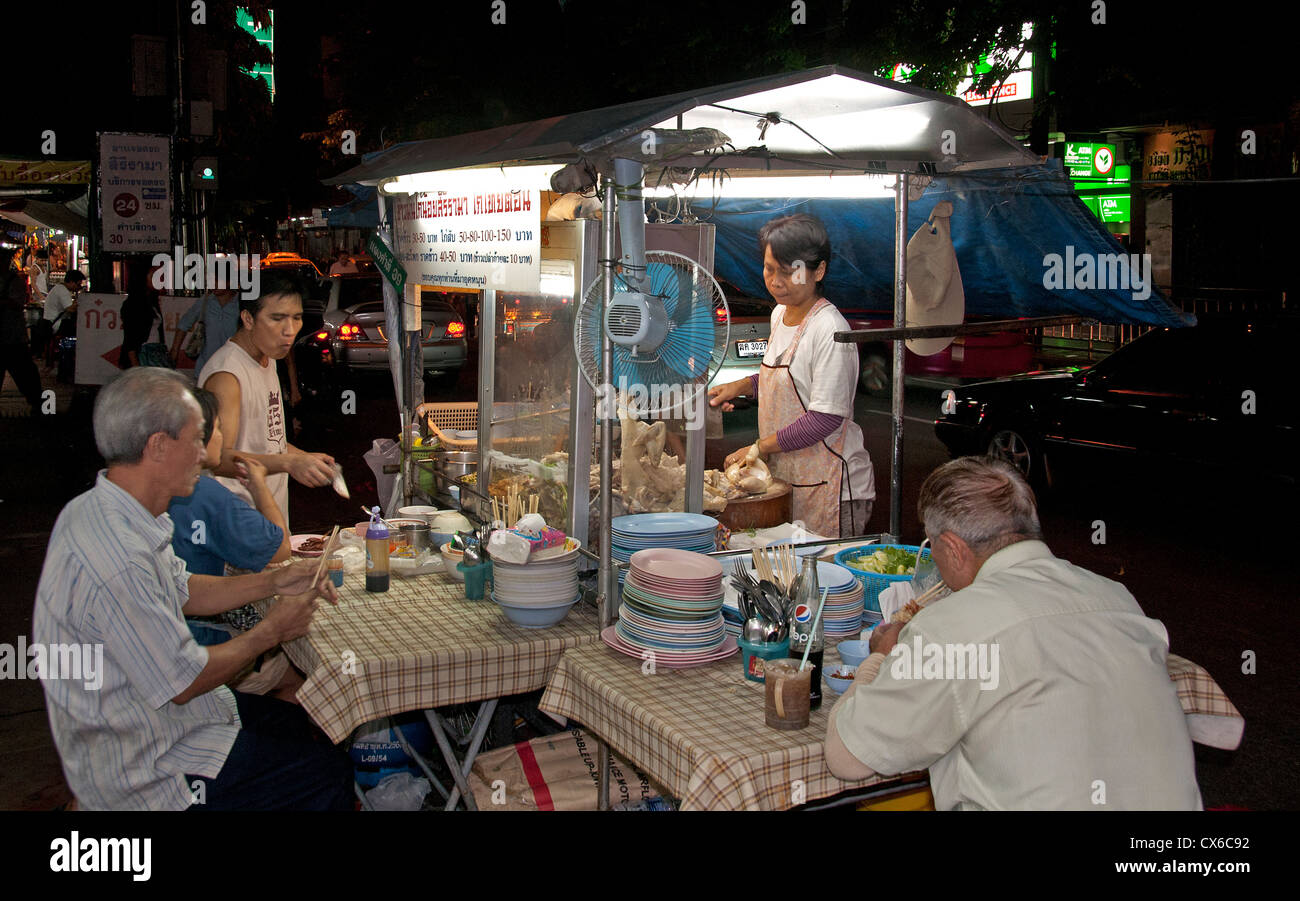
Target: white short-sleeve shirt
<point>826,376</point>
<point>261,416</point>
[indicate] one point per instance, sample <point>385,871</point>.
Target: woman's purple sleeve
<point>807,430</point>
<point>753,384</point>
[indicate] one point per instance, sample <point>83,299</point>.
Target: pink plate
<point>676,565</point>
<point>667,659</point>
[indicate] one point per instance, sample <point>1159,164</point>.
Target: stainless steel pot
<point>455,464</point>
<point>418,535</point>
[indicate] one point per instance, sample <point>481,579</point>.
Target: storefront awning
<point>43,214</point>
<point>818,119</point>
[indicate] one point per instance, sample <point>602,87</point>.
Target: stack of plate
<point>640,531</point>
<point>672,602</point>
<point>842,618</point>
<point>549,578</point>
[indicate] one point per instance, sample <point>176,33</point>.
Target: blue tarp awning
<point>1005,225</point>
<point>360,212</point>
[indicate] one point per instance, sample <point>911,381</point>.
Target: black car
<point>344,331</point>
<point>1216,396</point>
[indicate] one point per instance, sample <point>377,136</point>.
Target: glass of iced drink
<point>787,692</point>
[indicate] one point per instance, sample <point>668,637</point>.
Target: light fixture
<point>858,186</point>
<point>506,178</point>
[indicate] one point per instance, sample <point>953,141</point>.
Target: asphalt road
<point>1207,558</point>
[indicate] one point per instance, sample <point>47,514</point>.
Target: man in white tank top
<point>242,376</point>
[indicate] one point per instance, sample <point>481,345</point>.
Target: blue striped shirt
<point>110,578</point>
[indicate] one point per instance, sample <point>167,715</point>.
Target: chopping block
<point>759,511</point>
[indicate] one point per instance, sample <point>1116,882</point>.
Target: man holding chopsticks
<point>1077,711</point>
<point>154,727</point>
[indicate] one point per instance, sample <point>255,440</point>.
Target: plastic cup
<point>756,655</point>
<point>787,692</point>
<point>475,579</point>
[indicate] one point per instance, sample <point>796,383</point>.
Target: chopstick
<point>931,594</point>
<point>324,557</point>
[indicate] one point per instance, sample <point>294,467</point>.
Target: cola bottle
<point>802,633</point>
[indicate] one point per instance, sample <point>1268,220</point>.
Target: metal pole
<point>608,576</point>
<point>487,364</point>
<point>900,308</point>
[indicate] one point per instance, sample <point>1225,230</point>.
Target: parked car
<point>1217,396</point>
<point>348,331</point>
<point>304,267</point>
<point>751,325</point>
<point>968,357</point>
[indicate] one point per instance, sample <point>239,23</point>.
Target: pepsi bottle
<point>802,633</point>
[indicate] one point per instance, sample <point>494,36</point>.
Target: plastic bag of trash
<point>400,791</point>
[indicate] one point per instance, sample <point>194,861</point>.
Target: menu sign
<point>135,192</point>
<point>471,239</point>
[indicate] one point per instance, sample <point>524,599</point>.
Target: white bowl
<point>420,511</point>
<point>450,560</point>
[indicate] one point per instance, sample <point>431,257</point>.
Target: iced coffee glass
<point>787,694</point>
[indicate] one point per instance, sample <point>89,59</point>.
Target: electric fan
<point>668,328</point>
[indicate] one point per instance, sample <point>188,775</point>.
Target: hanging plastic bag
<point>385,460</point>
<point>934,289</point>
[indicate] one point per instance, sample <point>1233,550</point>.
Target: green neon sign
<point>1090,161</point>
<point>264,34</point>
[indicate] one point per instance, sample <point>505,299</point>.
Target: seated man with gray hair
<point>156,728</point>
<point>1035,685</point>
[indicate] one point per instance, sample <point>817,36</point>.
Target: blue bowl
<point>536,617</point>
<point>839,686</point>
<point>852,653</point>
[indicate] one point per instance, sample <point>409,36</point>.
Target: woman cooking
<point>806,386</point>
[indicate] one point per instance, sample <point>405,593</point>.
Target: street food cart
<point>465,214</point>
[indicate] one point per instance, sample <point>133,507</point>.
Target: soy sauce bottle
<point>376,553</point>
<point>802,633</point>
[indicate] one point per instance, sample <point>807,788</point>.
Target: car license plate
<point>751,348</point>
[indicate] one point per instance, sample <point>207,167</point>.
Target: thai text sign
<point>135,192</point>
<point>43,172</point>
<point>471,239</point>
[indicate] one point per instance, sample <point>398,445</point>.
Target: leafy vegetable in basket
<point>890,561</point>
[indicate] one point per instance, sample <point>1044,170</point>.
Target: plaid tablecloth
<point>700,731</point>
<point>421,645</point>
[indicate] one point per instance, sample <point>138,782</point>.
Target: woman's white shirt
<point>826,376</point>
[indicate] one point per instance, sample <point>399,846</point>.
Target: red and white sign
<point>99,334</point>
<point>1018,86</point>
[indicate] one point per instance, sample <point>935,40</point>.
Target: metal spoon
<point>776,599</point>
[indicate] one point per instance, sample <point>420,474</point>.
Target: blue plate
<point>661,524</point>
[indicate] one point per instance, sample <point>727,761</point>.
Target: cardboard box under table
<point>422,646</point>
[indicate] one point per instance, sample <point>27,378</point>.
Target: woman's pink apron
<point>815,473</point>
